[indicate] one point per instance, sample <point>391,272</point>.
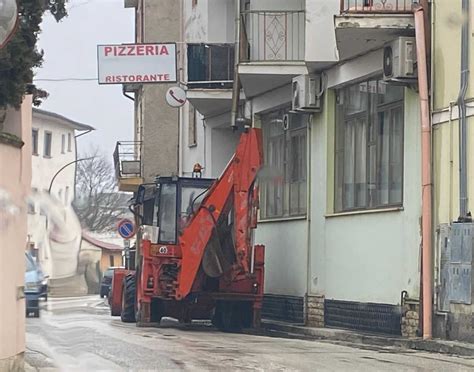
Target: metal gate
<point>283,308</point>
<point>370,317</point>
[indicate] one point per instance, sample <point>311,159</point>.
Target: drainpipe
<point>426,226</point>
<point>236,86</point>
<point>463,200</point>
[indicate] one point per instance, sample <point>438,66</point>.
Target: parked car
<point>35,286</point>
<point>107,281</point>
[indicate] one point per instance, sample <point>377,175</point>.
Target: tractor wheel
<point>226,318</point>
<point>156,312</point>
<point>128,299</point>
<point>233,316</point>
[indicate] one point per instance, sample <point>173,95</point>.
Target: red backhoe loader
<point>195,255</point>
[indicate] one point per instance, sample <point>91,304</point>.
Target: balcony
<point>210,77</point>
<point>210,66</point>
<point>128,165</point>
<point>365,25</point>
<point>272,49</point>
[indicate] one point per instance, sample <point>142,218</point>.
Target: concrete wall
<point>160,129</point>
<point>365,257</point>
<point>277,4</point>
<point>209,21</point>
<point>320,39</point>
<point>15,180</point>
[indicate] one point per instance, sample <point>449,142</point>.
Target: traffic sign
<point>126,228</point>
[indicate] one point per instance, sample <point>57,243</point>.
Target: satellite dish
<point>176,97</point>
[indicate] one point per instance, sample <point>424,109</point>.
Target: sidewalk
<point>286,330</point>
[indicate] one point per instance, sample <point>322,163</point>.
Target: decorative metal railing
<point>376,6</point>
<point>273,35</point>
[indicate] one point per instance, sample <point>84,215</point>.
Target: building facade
<point>15,179</point>
<point>54,152</point>
<point>344,211</point>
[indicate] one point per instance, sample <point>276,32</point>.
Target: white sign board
<point>137,63</point>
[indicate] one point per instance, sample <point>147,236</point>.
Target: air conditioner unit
<point>307,92</point>
<point>399,60</point>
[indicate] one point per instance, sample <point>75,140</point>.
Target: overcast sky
<point>70,52</point>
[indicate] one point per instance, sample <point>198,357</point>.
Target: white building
<point>54,172</point>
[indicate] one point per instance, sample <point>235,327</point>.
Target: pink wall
<point>15,181</point>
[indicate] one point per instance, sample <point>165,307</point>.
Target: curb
<point>284,330</point>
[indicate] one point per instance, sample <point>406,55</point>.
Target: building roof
<point>60,118</point>
<point>101,244</point>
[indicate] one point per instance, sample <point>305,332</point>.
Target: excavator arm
<point>237,184</point>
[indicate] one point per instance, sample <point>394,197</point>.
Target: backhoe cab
<point>195,258</point>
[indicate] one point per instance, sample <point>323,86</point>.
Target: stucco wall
<point>446,170</point>
<point>285,256</point>
<point>160,129</point>
<point>365,257</point>
<point>44,168</point>
<point>15,179</point>
<point>447,51</point>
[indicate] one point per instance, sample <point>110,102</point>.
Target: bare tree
<point>98,203</point>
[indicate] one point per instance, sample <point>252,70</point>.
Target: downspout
<point>426,224</point>
<point>236,85</point>
<point>463,199</point>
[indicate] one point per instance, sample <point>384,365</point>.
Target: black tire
<point>156,311</point>
<point>230,316</point>
<point>102,296</point>
<point>128,299</point>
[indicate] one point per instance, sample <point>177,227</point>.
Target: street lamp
<point>8,20</point>
<point>67,165</point>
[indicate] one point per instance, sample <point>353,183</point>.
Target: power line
<point>67,79</point>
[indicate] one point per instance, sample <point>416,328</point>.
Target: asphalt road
<point>77,334</point>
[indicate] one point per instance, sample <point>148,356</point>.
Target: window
<point>369,146</point>
<point>167,213</point>
<point>111,260</point>
<point>63,143</point>
<point>284,180</point>
<point>31,207</point>
<point>192,126</point>
<point>48,136</point>
<point>69,142</point>
<point>34,141</point>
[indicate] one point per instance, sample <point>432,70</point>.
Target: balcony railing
<point>127,159</point>
<point>273,35</point>
<point>210,65</point>
<point>376,6</point>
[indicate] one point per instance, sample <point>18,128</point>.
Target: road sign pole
<point>126,249</point>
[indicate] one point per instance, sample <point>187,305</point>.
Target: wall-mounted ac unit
<point>399,60</point>
<point>130,3</point>
<point>307,92</point>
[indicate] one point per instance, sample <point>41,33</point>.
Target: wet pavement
<point>78,334</point>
